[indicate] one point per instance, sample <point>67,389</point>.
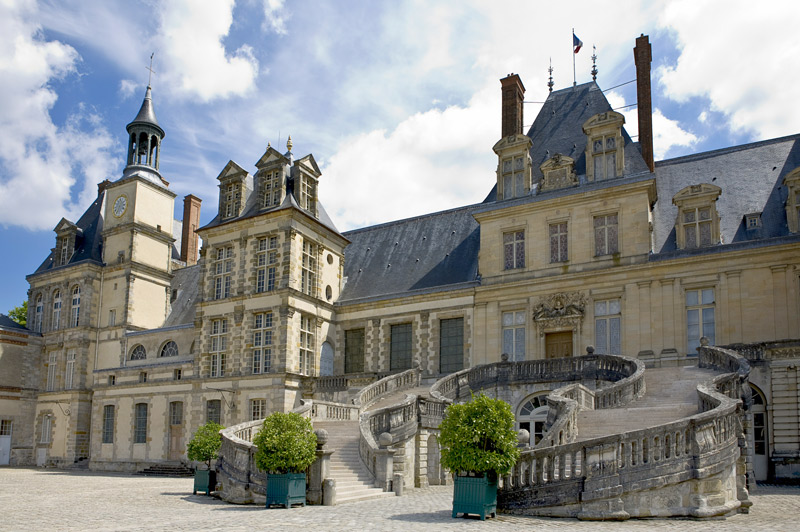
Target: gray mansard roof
<point>186,281</point>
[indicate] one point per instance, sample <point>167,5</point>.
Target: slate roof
<point>146,114</point>
<point>750,177</point>
<point>88,241</point>
<point>429,252</point>
<point>8,323</point>
<point>558,128</point>
<point>187,282</point>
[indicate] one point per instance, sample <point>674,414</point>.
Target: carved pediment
<point>558,172</point>
<point>65,226</point>
<point>271,157</point>
<point>609,119</point>
<point>560,306</point>
<point>309,164</point>
<point>702,190</point>
<point>232,171</point>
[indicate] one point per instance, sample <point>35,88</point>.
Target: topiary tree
<point>286,444</point>
<point>479,436</point>
<point>205,443</point>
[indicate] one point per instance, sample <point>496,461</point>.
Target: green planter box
<point>204,480</point>
<point>475,495</point>
<point>286,489</point>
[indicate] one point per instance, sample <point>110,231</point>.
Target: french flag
<point>576,44</point>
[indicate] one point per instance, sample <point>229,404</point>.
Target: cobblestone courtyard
<point>39,500</point>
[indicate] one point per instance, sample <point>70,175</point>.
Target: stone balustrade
<point>393,383</point>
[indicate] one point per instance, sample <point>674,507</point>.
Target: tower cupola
<point>144,141</point>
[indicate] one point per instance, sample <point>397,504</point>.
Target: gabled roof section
<point>310,163</point>
<point>433,252</point>
<point>750,178</point>
<point>65,226</point>
<point>231,170</point>
<point>88,242</point>
<point>558,128</point>
<point>8,323</point>
<point>270,157</point>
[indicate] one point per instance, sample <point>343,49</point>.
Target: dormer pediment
<point>309,164</point>
<point>705,192</point>
<point>558,172</point>
<point>271,157</point>
<point>512,143</point>
<point>607,120</point>
<point>65,226</point>
<point>232,171</point>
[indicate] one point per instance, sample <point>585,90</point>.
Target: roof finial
<point>289,143</point>
<point>550,70</point>
<point>594,63</point>
<point>150,68</point>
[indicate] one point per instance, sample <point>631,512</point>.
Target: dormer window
<point>604,146</point>
<point>514,177</point>
<point>66,236</point>
<point>64,251</point>
<point>752,220</point>
<point>697,224</point>
<point>271,189</point>
<point>232,200</point>
<point>792,182</point>
<point>308,192</point>
<point>232,182</point>
<point>558,172</point>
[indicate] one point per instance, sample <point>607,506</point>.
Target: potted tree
<point>286,446</point>
<point>478,444</point>
<point>204,447</point>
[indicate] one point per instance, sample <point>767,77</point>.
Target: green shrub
<point>286,444</point>
<point>479,437</point>
<point>205,443</point>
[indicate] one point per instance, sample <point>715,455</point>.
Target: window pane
<point>600,308</point>
<point>600,336</point>
<point>519,348</point>
<point>691,297</point>
<point>508,342</point>
<point>615,335</point>
<point>708,296</point>
<point>451,345</point>
<point>519,318</point>
<point>520,185</point>
<point>400,348</point>
<point>508,319</point>
<point>614,306</point>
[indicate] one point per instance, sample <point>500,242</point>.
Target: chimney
<point>513,94</point>
<point>102,186</point>
<point>642,56</point>
<point>191,221</point>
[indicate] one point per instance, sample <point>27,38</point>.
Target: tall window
<point>258,409</point>
<point>219,344</point>
<point>699,318</point>
<point>607,327</point>
<point>140,423</point>
<point>354,351</point>
<point>697,227</point>
<point>232,200</point>
<point>64,251</point>
<point>51,371</point>
<point>223,266</point>
<point>451,345</point>
<point>37,314</point>
<point>266,264</point>
<point>513,178</point>
<point>307,193</point>
<point>170,349</point>
<point>112,317</point>
<point>75,315</point>
<point>56,309</point>
<point>604,157</point>
<point>558,242</point>
<point>69,373</point>
<point>108,424</point>
<point>47,422</point>
<point>307,344</point>
<point>176,413</point>
<point>214,411</point>
<point>309,276</point>
<point>262,343</point>
<point>605,235</point>
<point>400,347</point>
<point>271,189</point>
<point>514,249</point>
<point>514,335</point>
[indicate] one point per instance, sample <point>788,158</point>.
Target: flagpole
<point>574,77</point>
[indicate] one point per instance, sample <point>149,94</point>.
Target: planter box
<point>286,489</point>
<point>204,480</point>
<point>475,495</point>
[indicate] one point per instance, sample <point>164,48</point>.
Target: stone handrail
<point>587,477</point>
<point>330,411</point>
<point>239,474</point>
<point>393,383</point>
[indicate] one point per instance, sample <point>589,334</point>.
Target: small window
<point>138,353</point>
<point>258,409</point>
<point>112,380</point>
<point>143,377</point>
<point>753,221</point>
<point>112,317</point>
<point>176,374</point>
<point>5,427</point>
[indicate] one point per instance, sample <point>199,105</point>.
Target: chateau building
<point>137,335</point>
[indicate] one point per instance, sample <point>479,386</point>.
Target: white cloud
<point>197,63</point>
<point>127,88</point>
<point>44,167</point>
<point>740,55</point>
<point>275,16</point>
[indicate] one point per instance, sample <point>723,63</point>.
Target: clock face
<point>119,206</point>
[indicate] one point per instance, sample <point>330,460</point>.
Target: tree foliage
<point>205,443</point>
<point>479,436</point>
<point>20,314</point>
<point>286,444</point>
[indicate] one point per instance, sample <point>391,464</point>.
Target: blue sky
<point>398,101</point>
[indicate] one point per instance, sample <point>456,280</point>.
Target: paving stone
<point>34,499</point>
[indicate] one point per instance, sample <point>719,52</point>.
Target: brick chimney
<point>513,94</point>
<point>101,186</point>
<point>642,56</point>
<point>191,221</point>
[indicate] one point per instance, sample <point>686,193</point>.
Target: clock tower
<point>137,231</point>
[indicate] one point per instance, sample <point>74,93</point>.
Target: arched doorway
<point>760,435</point>
<point>532,415</point>
<point>326,360</point>
<point>434,465</point>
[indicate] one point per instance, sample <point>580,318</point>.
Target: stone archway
<point>435,473</point>
<point>760,435</point>
<point>532,416</point>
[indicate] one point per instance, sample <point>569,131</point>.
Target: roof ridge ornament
<point>150,68</point>
<point>594,63</point>
<point>289,144</point>
<point>550,70</point>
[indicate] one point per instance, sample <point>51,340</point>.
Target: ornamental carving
<point>565,307</point>
<point>558,172</point>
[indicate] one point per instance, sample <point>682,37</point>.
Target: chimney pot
<point>191,221</point>
<point>642,55</point>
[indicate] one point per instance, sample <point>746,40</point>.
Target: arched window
<point>760,435</point>
<point>170,349</point>
<point>37,314</point>
<point>533,415</point>
<point>138,353</point>
<point>75,315</point>
<point>56,309</point>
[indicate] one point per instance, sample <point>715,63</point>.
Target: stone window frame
<point>513,171</point>
<point>38,313</point>
<point>348,364</point>
<point>222,272</point>
<point>603,127</point>
<point>231,200</point>
<point>307,345</point>
<point>107,432</point>
<point>140,421</point>
<point>541,417</point>
<point>307,192</point>
<point>517,244</point>
<point>695,199</point>
<point>138,352</point>
<point>267,256</point>
<point>218,346</point>
<point>56,314</point>
<point>69,369</point>
<point>607,317</point>
<point>309,267</point>
<point>515,325</point>
<point>558,222</point>
<point>175,413</point>
<point>688,307</point>
<point>607,249</point>
<point>258,408</point>
<point>169,349</point>
<point>46,428</point>
<point>263,340</point>
<point>75,307</point>
<point>792,183</point>
<point>270,187</point>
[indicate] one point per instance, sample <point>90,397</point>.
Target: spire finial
<point>289,143</point>
<point>594,63</point>
<point>550,70</point>
<point>150,68</point>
